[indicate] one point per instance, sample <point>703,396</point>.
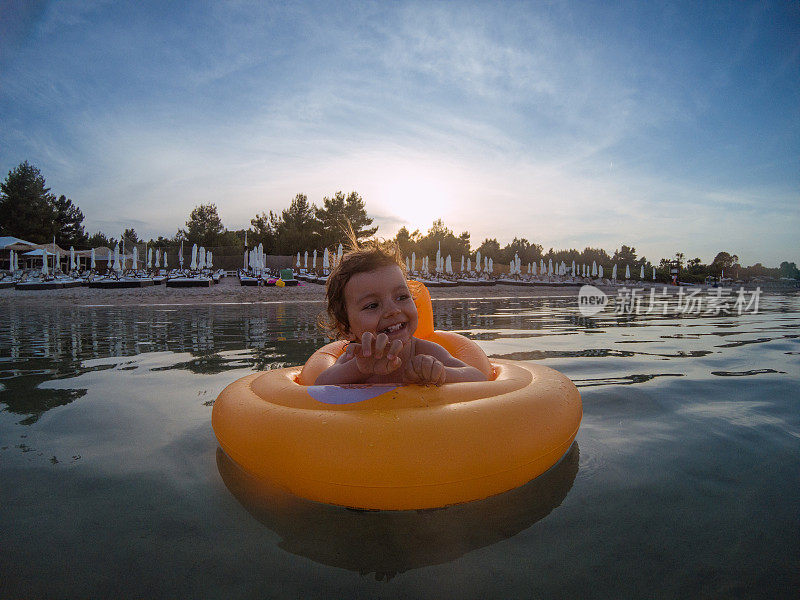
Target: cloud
<point>547,122</point>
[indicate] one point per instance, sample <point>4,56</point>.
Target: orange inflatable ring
<point>398,447</point>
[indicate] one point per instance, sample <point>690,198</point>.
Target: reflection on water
<point>686,483</point>
<point>38,346</point>
<point>390,542</point>
<point>62,343</point>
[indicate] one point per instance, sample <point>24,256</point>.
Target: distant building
<point>9,243</point>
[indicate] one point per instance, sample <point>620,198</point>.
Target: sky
<point>667,126</point>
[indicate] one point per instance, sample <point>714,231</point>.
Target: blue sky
<point>666,126</point>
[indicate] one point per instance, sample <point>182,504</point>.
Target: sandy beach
<point>230,291</point>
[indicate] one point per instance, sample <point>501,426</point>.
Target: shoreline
<point>229,291</point>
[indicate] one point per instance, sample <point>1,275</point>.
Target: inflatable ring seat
<point>398,447</point>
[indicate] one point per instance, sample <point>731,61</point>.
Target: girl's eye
<point>371,306</point>
<point>403,297</point>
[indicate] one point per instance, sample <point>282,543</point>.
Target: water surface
<point>683,480</point>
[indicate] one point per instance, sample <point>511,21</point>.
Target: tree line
<point>29,210</point>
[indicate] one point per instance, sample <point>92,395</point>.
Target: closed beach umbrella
<point>600,271</point>
<point>462,263</point>
<point>44,262</point>
<point>305,260</point>
<point>165,259</point>
<point>201,258</point>
<point>72,265</point>
<point>92,261</point>
<point>314,260</point>
<point>325,259</point>
<point>490,266</point>
<point>117,262</point>
<point>627,271</point>
<point>594,268</point>
<point>469,264</point>
<point>245,264</point>
<point>614,272</point>
<point>654,273</point>
<point>478,261</point>
<point>209,258</point>
<point>339,253</point>
<point>180,256</point>
<point>193,264</point>
<point>413,261</point>
<point>533,269</point>
<point>574,272</point>
<point>135,259</point>
<point>298,260</point>
<point>550,266</point>
<point>641,273</point>
<point>407,265</point>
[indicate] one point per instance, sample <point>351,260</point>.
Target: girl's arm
<point>452,370</point>
<point>344,370</point>
<point>373,356</point>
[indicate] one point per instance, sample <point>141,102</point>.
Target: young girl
<point>370,305</point>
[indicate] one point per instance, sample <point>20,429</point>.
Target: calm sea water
<point>684,480</point>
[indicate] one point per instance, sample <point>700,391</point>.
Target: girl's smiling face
<point>379,301</point>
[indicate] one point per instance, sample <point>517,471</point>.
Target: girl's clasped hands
<point>375,355</point>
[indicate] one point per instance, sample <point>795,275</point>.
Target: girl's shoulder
<point>438,352</point>
<point>429,347</point>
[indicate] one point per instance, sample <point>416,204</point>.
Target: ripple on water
<point>681,466</point>
<point>746,373</point>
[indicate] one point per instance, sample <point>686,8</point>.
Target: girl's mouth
<point>394,328</point>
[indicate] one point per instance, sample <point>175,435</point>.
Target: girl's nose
<point>391,309</point>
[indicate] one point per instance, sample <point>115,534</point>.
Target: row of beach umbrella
<point>444,265</point>
<point>329,259</point>
<point>201,259</point>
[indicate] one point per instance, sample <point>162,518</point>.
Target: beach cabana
<point>34,259</point>
<point>20,246</point>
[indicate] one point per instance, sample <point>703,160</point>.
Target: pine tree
<point>338,214</point>
<point>297,228</point>
<point>204,226</point>
<point>69,219</point>
<point>27,208</point>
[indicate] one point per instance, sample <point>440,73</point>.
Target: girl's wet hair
<point>360,257</point>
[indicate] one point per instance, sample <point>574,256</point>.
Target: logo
<point>591,300</point>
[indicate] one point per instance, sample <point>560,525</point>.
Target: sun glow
<point>416,199</point>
